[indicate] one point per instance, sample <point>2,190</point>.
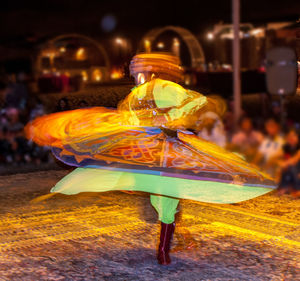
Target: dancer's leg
<point>166,208</point>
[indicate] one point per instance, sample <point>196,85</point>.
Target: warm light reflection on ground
<point>60,224</point>
<point>114,235</point>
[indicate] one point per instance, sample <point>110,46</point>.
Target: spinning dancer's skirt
<point>113,156</point>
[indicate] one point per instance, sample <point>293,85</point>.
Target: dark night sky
<point>19,17</point>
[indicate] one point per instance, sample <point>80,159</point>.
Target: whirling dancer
<point>144,145</point>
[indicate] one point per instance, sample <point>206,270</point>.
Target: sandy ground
<point>113,236</point>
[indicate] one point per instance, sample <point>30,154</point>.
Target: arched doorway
<point>195,50</point>
<point>73,55</point>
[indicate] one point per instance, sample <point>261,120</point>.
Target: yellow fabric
<point>189,108</point>
<point>162,97</point>
<point>168,94</point>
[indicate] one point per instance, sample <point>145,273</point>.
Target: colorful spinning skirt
<point>113,156</point>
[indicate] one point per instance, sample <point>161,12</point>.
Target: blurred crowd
<point>262,142</point>
<point>15,149</point>
<point>18,109</point>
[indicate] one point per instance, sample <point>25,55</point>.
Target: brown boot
<point>166,235</point>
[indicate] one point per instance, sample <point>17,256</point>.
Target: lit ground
<point>113,236</point>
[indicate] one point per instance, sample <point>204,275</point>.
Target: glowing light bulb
<point>210,36</point>
<point>160,45</point>
<point>147,45</point>
<point>119,41</point>
<point>81,54</point>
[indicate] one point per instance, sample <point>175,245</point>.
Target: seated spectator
<point>246,140</point>
<point>3,118</point>
<point>16,93</point>
<point>13,123</point>
<point>276,110</point>
<point>37,110</point>
<point>228,118</point>
<point>211,128</point>
<point>21,147</point>
<point>270,149</point>
<point>290,164</point>
<point>83,104</point>
<point>6,151</point>
<point>40,154</point>
<point>63,105</point>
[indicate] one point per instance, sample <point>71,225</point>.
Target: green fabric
<point>187,109</point>
<point>100,180</point>
<point>165,206</point>
<point>167,94</point>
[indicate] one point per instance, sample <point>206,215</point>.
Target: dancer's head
<point>146,66</point>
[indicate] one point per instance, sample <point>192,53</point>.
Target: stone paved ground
<point>113,236</point>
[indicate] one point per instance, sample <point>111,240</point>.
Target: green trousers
<point>165,206</point>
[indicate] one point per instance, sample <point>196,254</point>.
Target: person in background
<point>228,118</point>
<point>276,110</point>
<point>270,149</point>
<point>16,93</point>
<point>83,104</point>
<point>63,105</point>
<point>19,145</point>
<point>276,113</point>
<point>295,161</point>
<point>6,152</point>
<point>13,124</point>
<point>3,118</point>
<point>38,154</point>
<point>212,128</point>
<point>289,164</point>
<point>22,151</point>
<point>246,140</point>
<point>37,110</point>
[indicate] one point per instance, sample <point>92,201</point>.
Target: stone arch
<point>195,49</point>
<point>83,37</point>
<point>52,42</point>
